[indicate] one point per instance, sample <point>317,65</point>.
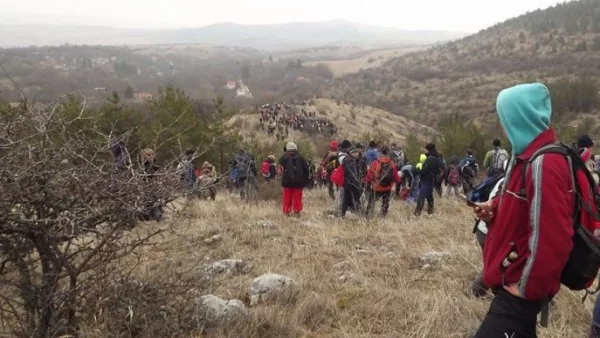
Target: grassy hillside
<point>356,278</point>
<point>354,122</point>
<point>465,76</point>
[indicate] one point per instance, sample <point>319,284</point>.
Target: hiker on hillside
<point>363,167</point>
<point>372,154</point>
<point>399,159</point>
<point>398,155</point>
<point>154,209</point>
<point>453,178</point>
<point>441,175</point>
<point>381,177</point>
<point>121,157</point>
<point>428,173</point>
<point>293,179</point>
<point>495,159</point>
<point>352,183</point>
<point>246,172</point>
<point>330,162</point>
<point>268,168</point>
<point>584,147</point>
<point>468,171</point>
<point>337,177</point>
<point>407,180</point>
<point>187,170</point>
<point>206,182</point>
<point>530,223</point>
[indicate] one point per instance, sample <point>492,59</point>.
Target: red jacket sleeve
<point>550,201</point>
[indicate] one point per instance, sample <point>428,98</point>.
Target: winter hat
<point>345,145</point>
<point>524,112</point>
<point>430,147</point>
<point>352,150</point>
<point>496,142</point>
<point>291,146</point>
<point>585,142</point>
<point>333,145</point>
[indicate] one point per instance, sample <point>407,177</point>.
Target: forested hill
<point>559,46</point>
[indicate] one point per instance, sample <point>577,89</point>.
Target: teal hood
<point>524,112</point>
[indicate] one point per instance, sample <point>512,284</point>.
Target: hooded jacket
<point>537,226</point>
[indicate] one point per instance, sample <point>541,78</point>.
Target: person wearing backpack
<point>495,159</point>
<point>293,179</point>
<point>469,168</point>
<point>381,176</point>
<point>352,183</point>
<point>330,162</point>
<point>532,245</point>
<point>428,175</point>
<point>246,171</point>
<point>441,176</point>
<point>453,178</point>
<point>372,154</point>
<point>399,159</point>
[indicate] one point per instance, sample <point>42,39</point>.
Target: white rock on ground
<point>213,239</point>
<point>213,311</point>
<point>434,257</point>
<point>265,224</point>
<point>228,266</point>
<point>269,287</point>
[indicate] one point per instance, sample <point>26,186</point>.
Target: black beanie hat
<point>585,142</point>
<point>345,145</point>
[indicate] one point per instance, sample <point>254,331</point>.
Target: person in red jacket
<point>530,227</point>
<point>382,175</point>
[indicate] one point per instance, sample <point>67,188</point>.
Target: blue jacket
<point>372,155</point>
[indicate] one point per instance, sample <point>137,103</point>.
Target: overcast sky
<point>454,15</point>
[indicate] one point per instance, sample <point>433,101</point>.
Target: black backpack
<point>584,259</point>
<point>293,169</point>
<point>386,176</point>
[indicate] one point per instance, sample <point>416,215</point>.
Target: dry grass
<point>358,278</point>
<point>343,66</point>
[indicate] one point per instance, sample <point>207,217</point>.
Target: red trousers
<point>292,199</point>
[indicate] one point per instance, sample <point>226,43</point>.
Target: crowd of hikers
<point>536,207</point>
<point>537,214</point>
<point>278,119</point>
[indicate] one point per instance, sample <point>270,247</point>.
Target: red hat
<point>333,145</point>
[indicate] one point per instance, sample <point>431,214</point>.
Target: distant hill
<point>465,76</point>
<point>267,37</point>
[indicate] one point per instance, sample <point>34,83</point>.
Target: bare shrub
<point>63,211</point>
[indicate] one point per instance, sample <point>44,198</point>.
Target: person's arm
<point>551,225</point>
<point>305,168</point>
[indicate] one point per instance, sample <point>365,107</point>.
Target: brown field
<point>341,67</point>
<point>357,278</point>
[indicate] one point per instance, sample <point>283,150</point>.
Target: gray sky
<point>454,15</point>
